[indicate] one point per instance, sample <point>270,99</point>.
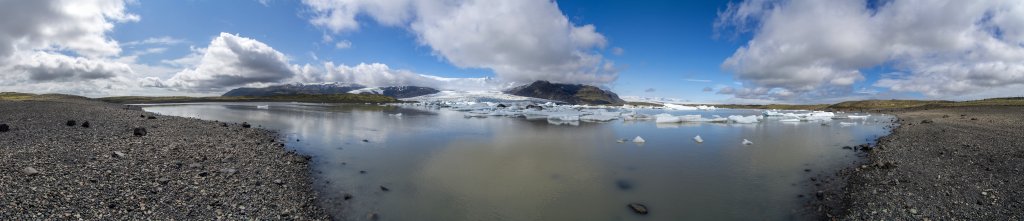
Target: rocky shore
<point>949,163</point>
<point>121,163</point>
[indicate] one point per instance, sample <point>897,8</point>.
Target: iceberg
<point>678,107</point>
<point>747,142</point>
<point>790,120</point>
<point>845,124</point>
<point>666,118</point>
<point>858,117</point>
<point>698,139</point>
<point>743,119</point>
<point>639,139</point>
<point>264,107</point>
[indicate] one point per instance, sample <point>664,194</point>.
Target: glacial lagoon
<point>437,164</point>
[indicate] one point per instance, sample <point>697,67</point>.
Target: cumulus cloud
<point>343,44</point>
<point>519,40</point>
<point>818,48</point>
<point>231,61</point>
<point>378,75</point>
<point>46,43</point>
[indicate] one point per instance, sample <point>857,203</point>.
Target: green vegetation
<point>324,98</point>
<point>15,96</point>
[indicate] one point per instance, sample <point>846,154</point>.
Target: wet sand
<point>951,163</point>
<point>180,169</point>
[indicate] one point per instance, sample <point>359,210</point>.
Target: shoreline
<point>940,163</point>
<point>182,168</point>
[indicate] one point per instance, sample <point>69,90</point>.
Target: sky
<point>743,51</point>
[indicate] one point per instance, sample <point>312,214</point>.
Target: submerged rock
<point>638,208</point>
<point>623,184</point>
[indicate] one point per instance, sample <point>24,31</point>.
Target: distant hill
<point>569,93</point>
<point>294,89</point>
<point>398,91</point>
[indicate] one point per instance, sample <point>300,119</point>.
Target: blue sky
<point>778,51</point>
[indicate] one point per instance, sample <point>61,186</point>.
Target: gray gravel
<point>180,169</point>
<point>963,163</point>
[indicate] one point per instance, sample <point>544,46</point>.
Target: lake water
<point>439,165</point>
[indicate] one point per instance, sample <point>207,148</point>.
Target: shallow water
<point>439,165</point>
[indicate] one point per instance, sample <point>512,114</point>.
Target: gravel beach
<point>177,168</point>
<point>950,163</point>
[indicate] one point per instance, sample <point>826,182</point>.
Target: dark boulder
<point>927,121</point>
<point>139,131</point>
<point>71,123</point>
<point>151,117</point>
<point>85,124</point>
<point>246,125</point>
<point>384,188</point>
<point>4,128</point>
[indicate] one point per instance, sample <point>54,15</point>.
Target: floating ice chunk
<point>790,120</point>
<point>621,140</point>
<point>598,117</point>
<point>743,119</point>
<point>698,139</point>
<point>639,139</point>
<point>846,124</point>
<point>771,113</point>
<point>705,107</point>
<point>747,142</point>
<point>666,118</point>
<point>690,118</point>
<point>859,116</point>
<point>264,107</point>
<point>678,107</point>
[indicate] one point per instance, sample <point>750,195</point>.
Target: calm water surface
<point>439,165</point>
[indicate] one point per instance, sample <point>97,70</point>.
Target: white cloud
<point>230,61</point>
<point>343,44</point>
<point>46,44</point>
<point>519,40</point>
<point>818,48</point>
<point>377,74</point>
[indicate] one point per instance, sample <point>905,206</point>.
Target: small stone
<point>163,181</point>
<point>927,121</point>
<point>372,216</point>
<point>974,118</point>
<point>30,171</point>
<point>820,194</point>
<point>204,174</point>
<point>142,116</point>
<point>384,188</point>
<point>365,141</point>
<point>151,117</point>
<point>362,172</point>
<point>194,165</point>
<point>346,196</point>
<point>279,182</point>
<point>4,128</point>
<point>228,171</point>
<point>638,208</point>
<point>246,125</point>
<point>118,154</point>
<point>70,123</point>
<point>224,124</point>
<point>85,124</point>
<point>913,211</point>
<point>139,131</point>
<point>984,193</point>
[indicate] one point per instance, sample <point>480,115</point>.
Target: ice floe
<point>698,139</point>
<point>263,107</point>
<point>639,139</point>
<point>747,142</point>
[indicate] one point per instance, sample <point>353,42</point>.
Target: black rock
<point>502,106</point>
<point>638,208</point>
<point>974,118</point>
<point>4,128</point>
<point>346,196</point>
<point>384,188</point>
<point>362,172</point>
<point>163,181</point>
<point>204,174</point>
<point>366,141</point>
<point>85,124</point>
<point>820,194</point>
<point>623,184</point>
<point>246,125</point>
<point>224,124</point>
<point>139,131</point>
<point>927,121</point>
<point>151,117</point>
<point>71,123</point>
<point>142,116</point>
